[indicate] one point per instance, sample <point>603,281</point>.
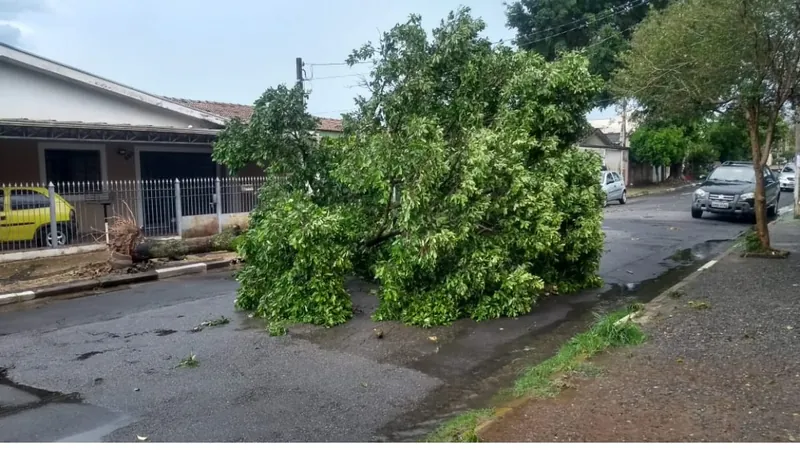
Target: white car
<point>787,176</point>
<point>614,187</point>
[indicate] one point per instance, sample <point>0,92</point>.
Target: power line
<point>626,8</point>
<point>612,11</point>
<point>339,63</point>
<point>313,78</point>
<point>321,113</point>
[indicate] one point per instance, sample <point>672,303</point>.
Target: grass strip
<point>539,381</point>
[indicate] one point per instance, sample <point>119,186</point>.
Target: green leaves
<point>659,146</point>
<point>456,186</point>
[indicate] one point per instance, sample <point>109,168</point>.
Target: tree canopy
<point>456,187</point>
<point>602,27</point>
<point>659,146</point>
<point>700,56</point>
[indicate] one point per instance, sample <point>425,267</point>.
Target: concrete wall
<point>615,159</point>
<point>27,94</point>
<point>19,161</point>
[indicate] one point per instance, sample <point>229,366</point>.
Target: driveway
<point>106,367</point>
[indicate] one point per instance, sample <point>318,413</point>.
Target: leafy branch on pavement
<point>698,305</point>
<point>189,361</point>
<point>456,185</point>
<point>548,378</point>
<point>277,328</point>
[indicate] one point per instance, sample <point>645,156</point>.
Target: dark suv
<point>730,190</point>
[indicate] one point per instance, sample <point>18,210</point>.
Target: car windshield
<point>733,174</point>
<point>788,169</point>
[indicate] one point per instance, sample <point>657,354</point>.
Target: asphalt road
<point>107,367</point>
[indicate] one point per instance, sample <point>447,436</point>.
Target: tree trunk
<point>178,248</point>
<point>760,198</point>
<point>675,171</point>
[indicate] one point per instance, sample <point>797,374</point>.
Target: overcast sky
<point>222,50</point>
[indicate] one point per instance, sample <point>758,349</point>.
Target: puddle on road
<point>43,397</point>
<point>698,252</point>
<point>489,383</point>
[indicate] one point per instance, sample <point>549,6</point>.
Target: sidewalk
<point>652,189</point>
<point>721,364</point>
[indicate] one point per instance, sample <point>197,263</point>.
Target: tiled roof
<point>243,112</point>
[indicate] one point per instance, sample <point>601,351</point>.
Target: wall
<point>614,158</point>
<point>120,167</point>
<point>32,95</point>
<point>644,174</point>
<point>19,161</point>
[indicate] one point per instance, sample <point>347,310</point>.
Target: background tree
<point>719,55</point>
<point>602,27</point>
<point>661,146</point>
<point>457,186</point>
<point>728,135</point>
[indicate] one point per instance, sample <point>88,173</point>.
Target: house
<point>63,125</point>
<point>58,123</point>
<point>615,157</point>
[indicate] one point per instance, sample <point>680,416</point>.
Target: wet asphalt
<point>106,367</point>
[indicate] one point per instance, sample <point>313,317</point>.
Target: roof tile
<point>243,112</point>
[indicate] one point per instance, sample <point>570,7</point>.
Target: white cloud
<point>12,28</point>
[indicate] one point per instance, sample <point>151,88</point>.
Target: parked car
<point>786,177</point>
<point>730,190</point>
<point>25,216</point>
<point>614,187</point>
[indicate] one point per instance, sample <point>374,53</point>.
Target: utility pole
<point>796,160</point>
<point>623,131</point>
<point>298,67</point>
<point>623,139</point>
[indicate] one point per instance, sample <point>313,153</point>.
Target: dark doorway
<point>159,170</point>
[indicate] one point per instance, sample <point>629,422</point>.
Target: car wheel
<point>697,213</point>
<point>46,237</point>
<point>624,198</point>
<point>772,211</point>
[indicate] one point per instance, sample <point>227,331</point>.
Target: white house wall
<point>32,95</point>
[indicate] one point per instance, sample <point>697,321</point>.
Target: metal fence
<point>80,212</point>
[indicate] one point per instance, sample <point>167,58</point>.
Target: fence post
<point>178,213</point>
<point>218,201</point>
<point>51,193</point>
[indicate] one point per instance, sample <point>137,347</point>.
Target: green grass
<point>462,427</point>
<point>539,380</point>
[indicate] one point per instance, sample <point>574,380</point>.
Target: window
<point>2,201</point>
<point>616,176</point>
<point>788,169</point>
<point>609,179</point>
<point>28,199</point>
<point>733,174</point>
<point>72,166</point>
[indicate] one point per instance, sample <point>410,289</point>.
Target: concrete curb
<point>661,191</point>
<point>112,281</point>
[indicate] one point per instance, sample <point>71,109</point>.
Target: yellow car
<point>25,216</point>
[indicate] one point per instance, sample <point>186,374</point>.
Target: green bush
<point>456,185</point>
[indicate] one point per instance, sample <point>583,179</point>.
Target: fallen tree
<point>179,248</point>
<point>456,186</point>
